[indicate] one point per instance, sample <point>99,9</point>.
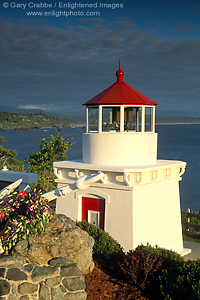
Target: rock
<point>42,272</point>
<point>5,287</point>
<point>16,274</point>
<point>77,296</point>
<point>51,282</point>
<point>44,293</point>
<point>22,247</point>
<point>57,293</point>
<point>27,288</point>
<point>2,272</point>
<point>69,271</point>
<point>9,261</point>
<point>38,255</point>
<point>28,268</point>
<point>74,284</point>
<point>61,238</point>
<point>60,262</point>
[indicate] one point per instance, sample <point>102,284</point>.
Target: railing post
<point>188,218</point>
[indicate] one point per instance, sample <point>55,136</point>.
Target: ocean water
<point>175,142</point>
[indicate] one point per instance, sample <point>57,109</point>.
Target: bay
<point>175,142</point>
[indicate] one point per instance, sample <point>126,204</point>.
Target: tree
<point>7,158</point>
<point>41,162</point>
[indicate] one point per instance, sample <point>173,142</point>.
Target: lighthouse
<point>120,186</point>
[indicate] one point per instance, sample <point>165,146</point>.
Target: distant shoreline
<point>178,123</point>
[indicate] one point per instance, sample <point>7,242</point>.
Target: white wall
<point>120,149</point>
<point>156,215</point>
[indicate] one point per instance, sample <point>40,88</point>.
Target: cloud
<point>60,68</point>
<point>184,27</point>
<point>29,106</point>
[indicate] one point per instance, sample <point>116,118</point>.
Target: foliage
<point>194,220</point>
<point>21,215</point>
<point>105,245</point>
<point>41,161</point>
<point>7,158</point>
<point>190,239</point>
<point>140,267</point>
<point>161,274</point>
<point>182,282</point>
<point>189,280</point>
<point>24,121</point>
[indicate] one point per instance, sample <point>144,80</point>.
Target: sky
<point>55,55</point>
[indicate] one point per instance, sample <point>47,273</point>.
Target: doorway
<point>93,211</point>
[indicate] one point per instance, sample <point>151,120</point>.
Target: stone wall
<point>60,279</point>
<point>48,266</point>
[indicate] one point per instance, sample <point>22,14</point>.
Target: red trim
<point>95,204</point>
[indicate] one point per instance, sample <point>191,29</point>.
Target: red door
<point>92,205</point>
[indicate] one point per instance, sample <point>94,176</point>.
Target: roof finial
<point>119,64</point>
<point>119,73</point>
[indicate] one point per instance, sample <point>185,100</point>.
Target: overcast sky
<point>56,62</point>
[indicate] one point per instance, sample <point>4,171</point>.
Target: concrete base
<point>195,250</point>
<point>185,251</point>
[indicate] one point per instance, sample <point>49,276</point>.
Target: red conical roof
<point>120,93</point>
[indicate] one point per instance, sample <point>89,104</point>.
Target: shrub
<point>174,279</point>
<point>164,285</point>
<point>21,215</point>
<point>140,267</point>
<point>189,280</point>
<point>105,245</point>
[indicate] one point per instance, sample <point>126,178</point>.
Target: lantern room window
<point>110,119</point>
<point>132,119</point>
<point>93,119</point>
<point>148,119</point>
<point>120,119</point>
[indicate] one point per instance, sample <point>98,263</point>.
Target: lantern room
<point>120,121</point>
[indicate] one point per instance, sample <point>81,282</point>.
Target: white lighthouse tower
<point>119,185</point>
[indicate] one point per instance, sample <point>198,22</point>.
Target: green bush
<point>105,245</point>
<point>189,280</point>
<point>174,279</point>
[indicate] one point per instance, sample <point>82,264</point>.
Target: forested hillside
<point>10,120</point>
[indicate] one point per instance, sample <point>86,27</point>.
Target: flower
<point>26,214</point>
<point>22,194</point>
<point>2,215</point>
